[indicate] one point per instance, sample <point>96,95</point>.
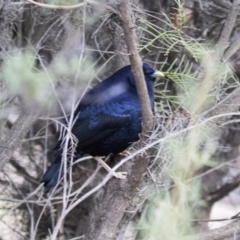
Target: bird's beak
<point>158,74</point>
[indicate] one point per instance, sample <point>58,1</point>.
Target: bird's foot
<point>120,175</point>
<point>124,154</point>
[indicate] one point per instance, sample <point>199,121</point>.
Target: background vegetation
<point>51,52</point>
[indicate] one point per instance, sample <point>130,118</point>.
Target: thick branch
<point>223,191</point>
<point>13,138</point>
<point>227,30</point>
<point>230,230</point>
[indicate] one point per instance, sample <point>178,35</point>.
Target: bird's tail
<point>55,172</point>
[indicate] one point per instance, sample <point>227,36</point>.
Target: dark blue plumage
<point>108,118</point>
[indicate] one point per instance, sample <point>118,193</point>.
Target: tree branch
<point>69,7</point>
<point>223,41</point>
<point>220,233</point>
<point>14,136</point>
<point>223,3</point>
<point>232,49</point>
<point>223,191</point>
<point>136,63</point>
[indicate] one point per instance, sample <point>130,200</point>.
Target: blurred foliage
<point>195,82</point>
<point>195,73</point>
<point>23,79</point>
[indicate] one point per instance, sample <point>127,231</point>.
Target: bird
<point>107,120</point>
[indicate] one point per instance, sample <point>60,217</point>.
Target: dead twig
<point>69,7</point>
<point>220,233</point>
<point>232,49</point>
<point>223,41</point>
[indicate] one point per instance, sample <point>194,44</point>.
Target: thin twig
<point>223,3</point>
<point>70,7</point>
<point>232,49</point>
<point>53,6</point>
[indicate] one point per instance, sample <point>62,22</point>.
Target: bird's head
<point>150,73</point>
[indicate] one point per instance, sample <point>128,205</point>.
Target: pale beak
<point>158,74</point>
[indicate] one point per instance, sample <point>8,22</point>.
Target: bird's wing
<point>92,129</point>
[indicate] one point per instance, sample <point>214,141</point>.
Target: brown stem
<point>13,137</point>
<point>136,63</point>
<point>223,41</point>
<point>230,230</point>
